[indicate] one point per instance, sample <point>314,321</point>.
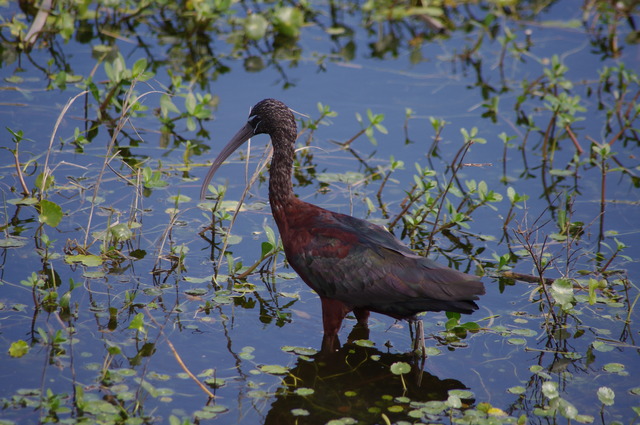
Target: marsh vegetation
<point>500,138</point>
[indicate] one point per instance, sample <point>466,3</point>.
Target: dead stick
<point>179,359</point>
<point>25,189</point>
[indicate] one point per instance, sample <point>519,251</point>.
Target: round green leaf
<point>299,412</point>
<point>304,391</point>
<point>400,368</point>
<point>614,367</point>
<point>517,390</point>
<point>50,213</point>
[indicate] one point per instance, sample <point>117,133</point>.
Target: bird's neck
<point>280,185</point>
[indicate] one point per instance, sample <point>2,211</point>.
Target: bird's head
<point>269,116</point>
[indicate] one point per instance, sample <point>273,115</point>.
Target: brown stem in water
<point>179,359</point>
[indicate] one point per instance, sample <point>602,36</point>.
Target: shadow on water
<point>356,381</point>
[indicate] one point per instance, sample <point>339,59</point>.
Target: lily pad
<point>274,369</point>
<point>614,368</point>
<point>86,260</point>
<point>400,368</point>
<point>304,391</point>
<point>11,242</point>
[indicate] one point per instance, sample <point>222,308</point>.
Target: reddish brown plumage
<point>352,264</point>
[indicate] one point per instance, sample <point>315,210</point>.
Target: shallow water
<point>238,331</point>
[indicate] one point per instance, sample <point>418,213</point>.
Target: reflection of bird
<point>352,264</point>
<point>335,377</point>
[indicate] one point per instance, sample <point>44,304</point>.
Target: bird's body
<point>352,264</point>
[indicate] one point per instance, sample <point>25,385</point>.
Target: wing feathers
<point>363,265</point>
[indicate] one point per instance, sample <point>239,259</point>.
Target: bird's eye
<point>254,121</point>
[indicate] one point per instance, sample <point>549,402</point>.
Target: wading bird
<point>352,264</point>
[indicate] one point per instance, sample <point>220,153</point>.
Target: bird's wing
<point>364,265</point>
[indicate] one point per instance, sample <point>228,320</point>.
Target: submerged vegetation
<point>125,300</point>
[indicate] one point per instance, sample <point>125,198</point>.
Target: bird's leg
<point>330,343</point>
<point>333,312</point>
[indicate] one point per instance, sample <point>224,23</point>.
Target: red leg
<point>333,312</point>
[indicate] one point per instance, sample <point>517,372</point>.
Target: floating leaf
<point>258,394</point>
<point>274,369</point>
<point>517,390</point>
<point>87,260</point>
<point>342,421</point>
<point>461,393</point>
<point>12,242</point>
<point>432,351</point>
<point>180,199</point>
<point>524,332</point>
<point>216,408</point>
<point>50,213</point>
<point>205,279</point>
<point>304,391</point>
<point>602,347</point>
<point>614,367</point>
<point>18,348</point>
<point>584,419</point>
<point>246,353</point>
<point>196,292</point>
<point>215,382</point>
<point>304,351</point>
<point>494,411</point>
<point>364,343</point>
<point>299,412</point>
<point>400,368</point>
<point>201,414</point>
<point>23,201</point>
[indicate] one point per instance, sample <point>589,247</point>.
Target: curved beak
<point>236,141</point>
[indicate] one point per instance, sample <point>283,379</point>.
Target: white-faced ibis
<point>352,264</point>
